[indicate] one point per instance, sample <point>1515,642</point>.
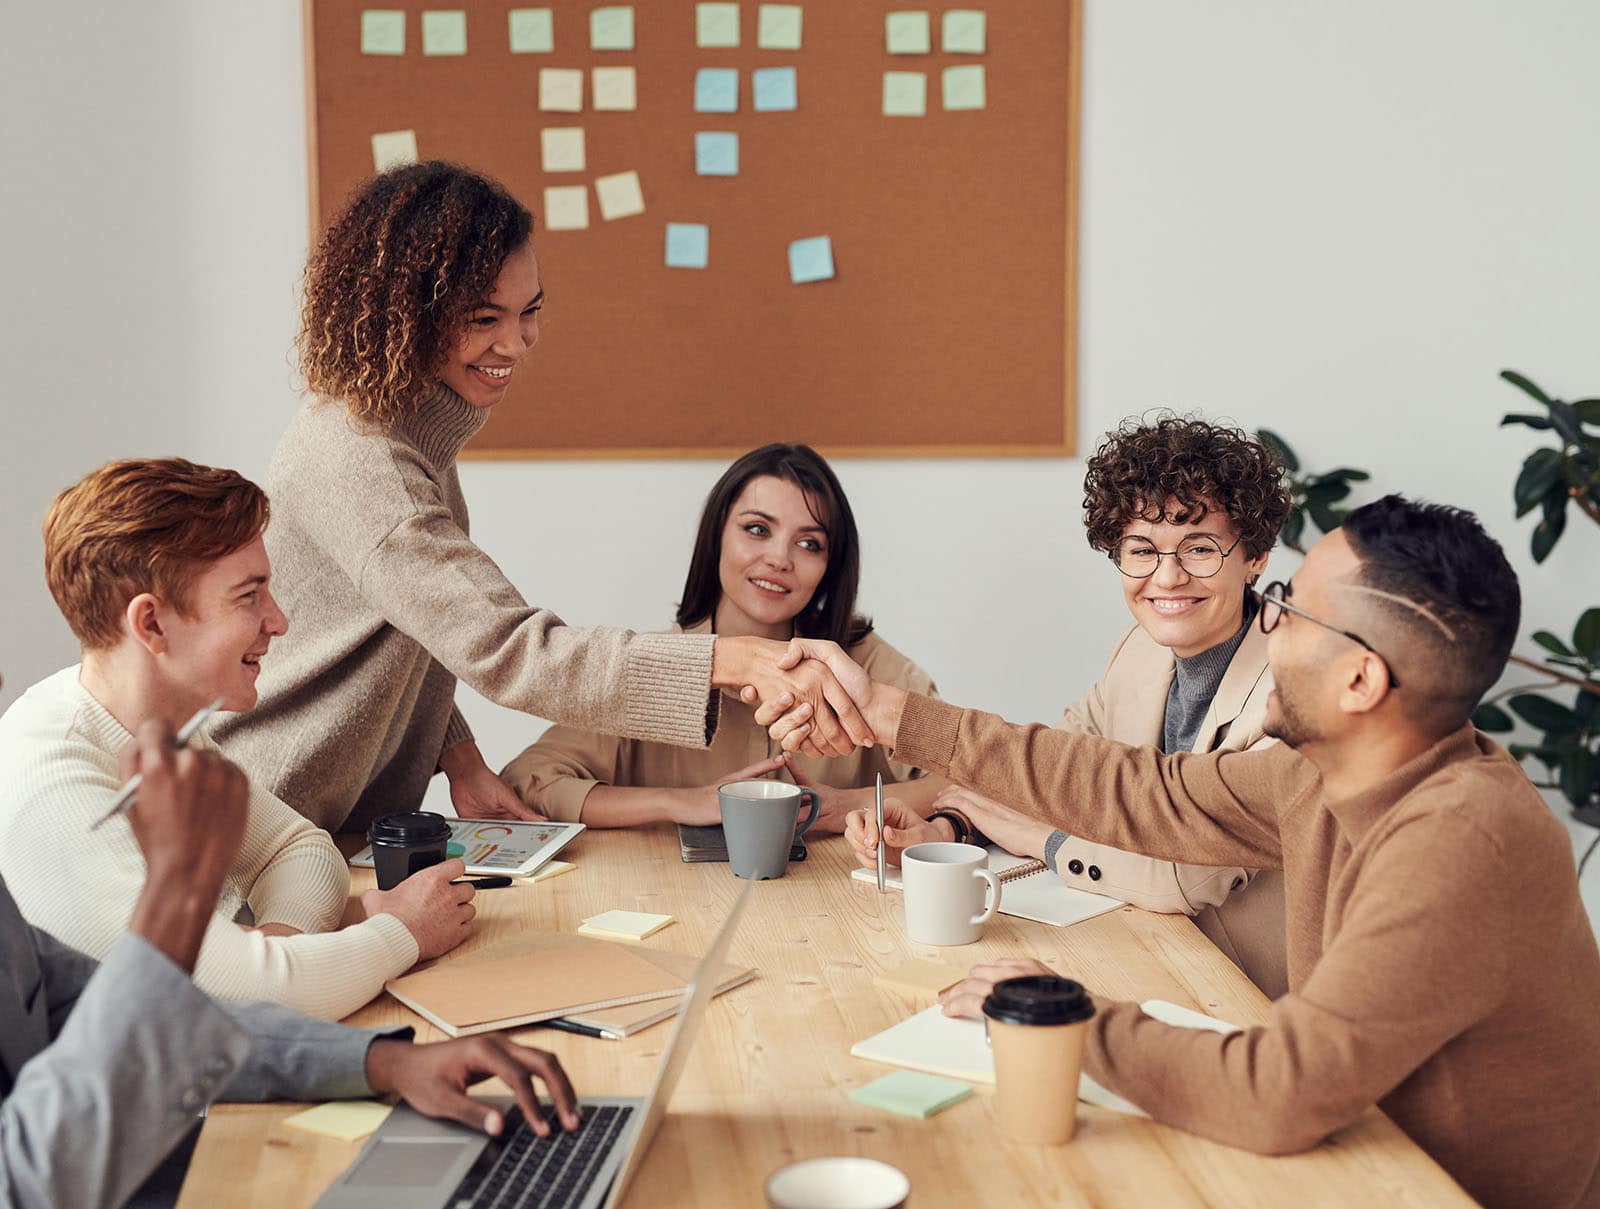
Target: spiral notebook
<point>1028,890</point>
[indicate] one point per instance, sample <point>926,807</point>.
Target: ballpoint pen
<point>880,833</point>
<point>131,789</point>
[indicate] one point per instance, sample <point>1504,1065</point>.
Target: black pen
<point>563,1025</point>
<point>483,883</point>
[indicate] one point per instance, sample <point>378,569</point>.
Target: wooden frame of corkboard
<point>950,329</point>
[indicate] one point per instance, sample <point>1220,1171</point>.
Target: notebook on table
<point>697,844</point>
<point>1028,890</point>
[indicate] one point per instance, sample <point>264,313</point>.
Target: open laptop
<point>416,1162</point>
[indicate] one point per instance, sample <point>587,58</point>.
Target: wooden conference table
<point>767,1082</point>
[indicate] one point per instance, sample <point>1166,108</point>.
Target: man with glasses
<point>1441,965</point>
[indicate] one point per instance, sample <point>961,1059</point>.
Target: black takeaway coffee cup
<point>404,843</point>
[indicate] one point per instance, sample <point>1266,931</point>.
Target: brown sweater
<point>1440,962</point>
<point>389,603</point>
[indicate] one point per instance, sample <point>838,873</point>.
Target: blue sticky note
<point>688,245</point>
<point>773,89</point>
<point>811,260</point>
<point>716,90</point>
<point>716,153</point>
<point>912,1093</point>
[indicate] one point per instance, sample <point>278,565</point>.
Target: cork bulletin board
<point>947,326</point>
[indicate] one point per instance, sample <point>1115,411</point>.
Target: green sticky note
<point>383,32</point>
<point>444,32</point>
<point>912,1093</point>
<point>905,94</point>
<point>611,28</point>
<point>965,31</point>
<point>533,31</point>
<point>778,27</point>
<point>964,87</point>
<point>908,33</point>
<point>716,25</point>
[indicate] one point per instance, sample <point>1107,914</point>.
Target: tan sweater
<point>389,603</point>
<point>1440,962</point>
<point>556,774</point>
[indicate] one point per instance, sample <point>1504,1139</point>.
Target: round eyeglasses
<point>1199,556</point>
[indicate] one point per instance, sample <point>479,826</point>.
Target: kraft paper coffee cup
<point>1036,1029</point>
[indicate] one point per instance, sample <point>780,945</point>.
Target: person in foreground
<point>1440,962</point>
<point>105,1068</point>
<point>1190,674</point>
<point>422,299</point>
<point>776,554</point>
<point>159,568</point>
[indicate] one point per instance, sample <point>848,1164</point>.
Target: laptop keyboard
<point>521,1170</point>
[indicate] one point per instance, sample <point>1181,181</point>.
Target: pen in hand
<point>881,845</point>
<point>131,789</point>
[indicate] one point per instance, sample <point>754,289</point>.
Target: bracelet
<point>962,824</point>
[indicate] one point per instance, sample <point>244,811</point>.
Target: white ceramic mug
<point>838,1182</point>
<point>945,886</point>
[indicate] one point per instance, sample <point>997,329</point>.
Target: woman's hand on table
<point>967,996</point>
<point>834,806</point>
<point>902,827</point>
<point>476,792</point>
<point>438,914</point>
<point>1017,833</point>
<point>434,1079</point>
<point>700,807</point>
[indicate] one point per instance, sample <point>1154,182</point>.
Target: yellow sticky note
<point>920,977</point>
<point>561,89</point>
<point>624,925</point>
<point>611,28</point>
<point>964,87</point>
<point>444,32</point>
<point>566,208</point>
<point>908,33</point>
<point>716,25</point>
<point>562,148</point>
<point>347,1120</point>
<point>619,195</point>
<point>393,148</point>
<point>555,868</point>
<point>533,31</point>
<point>778,27</point>
<point>905,94</point>
<point>615,88</point>
<point>383,32</point>
<point>965,31</point>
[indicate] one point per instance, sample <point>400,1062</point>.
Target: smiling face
<point>1181,611</point>
<point>774,554</point>
<point>499,333</point>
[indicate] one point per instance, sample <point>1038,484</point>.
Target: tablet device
<point>499,845</point>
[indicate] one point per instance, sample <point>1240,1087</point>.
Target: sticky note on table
<point>566,207</point>
<point>615,88</point>
<point>773,89</point>
<point>964,87</point>
<point>347,1120</point>
<point>911,1093</point>
<point>611,28</point>
<point>393,148</point>
<point>688,245</point>
<point>965,31</point>
<point>778,27</point>
<point>552,869</point>
<point>444,32</point>
<point>920,977</point>
<point>383,32</point>
<point>811,260</point>
<point>907,33</point>
<point>716,25</point>
<point>905,94</point>
<point>716,90</point>
<point>619,195</point>
<point>624,925</point>
<point>533,31</point>
<point>561,89</point>
<point>562,148</point>
<point>716,153</point>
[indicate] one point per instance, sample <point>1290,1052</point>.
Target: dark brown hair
<point>394,277</point>
<point>142,525</point>
<point>1142,467</point>
<point>831,611</point>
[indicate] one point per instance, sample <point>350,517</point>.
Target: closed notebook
<point>1028,890</point>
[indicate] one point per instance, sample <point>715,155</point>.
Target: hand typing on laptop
<point>434,1079</point>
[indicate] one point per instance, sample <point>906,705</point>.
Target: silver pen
<point>880,833</point>
<point>131,789</point>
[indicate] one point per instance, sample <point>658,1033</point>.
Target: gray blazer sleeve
<point>297,1057</point>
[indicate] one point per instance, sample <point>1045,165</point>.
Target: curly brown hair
<point>1142,467</point>
<point>394,277</point>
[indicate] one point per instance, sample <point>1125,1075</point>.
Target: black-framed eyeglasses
<point>1275,603</point>
<point>1198,555</point>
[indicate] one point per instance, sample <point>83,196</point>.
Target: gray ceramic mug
<point>758,821</point>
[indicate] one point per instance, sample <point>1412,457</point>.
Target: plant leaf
<point>1588,410</point>
<point>1551,643</point>
<point>1541,470</point>
<point>1577,776</point>
<point>1523,384</point>
<point>1586,634</point>
<point>1492,719</point>
<point>1523,417</point>
<point>1323,516</point>
<point>1548,531</point>
<point>1280,447</point>
<point>1549,716</point>
<point>1292,528</point>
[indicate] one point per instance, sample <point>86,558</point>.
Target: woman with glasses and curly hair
<point>421,300</point>
<point>1186,513</point>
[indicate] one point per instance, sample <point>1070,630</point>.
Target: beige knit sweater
<point>59,771</point>
<point>389,603</point>
<point>1441,965</point>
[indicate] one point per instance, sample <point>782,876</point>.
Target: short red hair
<point>142,525</point>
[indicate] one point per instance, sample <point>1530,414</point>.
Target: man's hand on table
<point>434,1079</point>
<point>437,914</point>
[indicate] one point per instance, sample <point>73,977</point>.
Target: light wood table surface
<point>768,1079</point>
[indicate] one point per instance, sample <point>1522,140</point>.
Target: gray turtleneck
<point>1194,682</point>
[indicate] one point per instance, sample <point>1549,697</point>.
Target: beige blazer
<point>555,775</point>
<point>1240,910</point>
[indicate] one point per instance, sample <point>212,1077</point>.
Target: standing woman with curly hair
<point>1187,513</point>
<point>421,300</point>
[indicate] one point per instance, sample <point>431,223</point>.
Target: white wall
<point>1339,221</point>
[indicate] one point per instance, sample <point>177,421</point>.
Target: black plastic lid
<point>411,827</point>
<point>1038,999</point>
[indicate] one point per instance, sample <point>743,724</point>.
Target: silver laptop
<point>416,1162</point>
